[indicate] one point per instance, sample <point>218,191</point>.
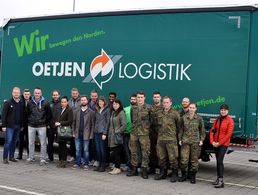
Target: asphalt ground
<point>241,177</point>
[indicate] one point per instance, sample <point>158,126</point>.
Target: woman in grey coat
<point>117,126</point>
<point>102,115</point>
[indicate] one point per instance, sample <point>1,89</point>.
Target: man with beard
<point>83,126</point>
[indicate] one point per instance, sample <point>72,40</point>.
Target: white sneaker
<point>85,167</point>
<point>30,160</point>
<point>96,164</point>
<point>91,163</point>
<point>71,159</point>
<point>42,162</point>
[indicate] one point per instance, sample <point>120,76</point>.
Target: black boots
<point>144,173</point>
<point>216,182</point>
<point>193,177</point>
<point>220,183</point>
<point>183,177</point>
<point>133,172</point>
<point>174,175</point>
<point>102,167</point>
<point>161,175</point>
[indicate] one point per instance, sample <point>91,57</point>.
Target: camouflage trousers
<point>190,154</point>
<point>145,149</point>
<point>167,150</point>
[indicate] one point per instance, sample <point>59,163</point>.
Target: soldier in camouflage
<point>185,107</point>
<point>167,144</point>
<point>140,116</point>
<point>156,108</point>
<point>191,137</point>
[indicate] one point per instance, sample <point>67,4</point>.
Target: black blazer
<point>66,118</point>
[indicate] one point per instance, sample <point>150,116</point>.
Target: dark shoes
<point>183,177</point>
<point>102,169</point>
<point>133,172</point>
<point>144,173</point>
<point>174,176</point>
<point>96,168</point>
<point>193,177</point>
<point>220,183</point>
<point>151,171</point>
<point>13,160</point>
<point>216,182</point>
<point>5,161</point>
<point>161,175</point>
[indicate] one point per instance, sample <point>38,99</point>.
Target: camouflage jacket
<point>141,120</point>
<point>168,124</point>
<point>155,111</point>
<point>191,130</point>
<point>182,112</point>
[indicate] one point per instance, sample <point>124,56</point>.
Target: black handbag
<point>64,131</point>
<point>119,138</point>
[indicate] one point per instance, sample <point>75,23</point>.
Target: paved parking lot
<point>241,177</point>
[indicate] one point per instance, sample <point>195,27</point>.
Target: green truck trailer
<point>207,54</point>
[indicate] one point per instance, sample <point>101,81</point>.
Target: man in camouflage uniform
<point>185,107</point>
<point>156,108</point>
<point>191,137</point>
<point>140,116</point>
<point>167,145</point>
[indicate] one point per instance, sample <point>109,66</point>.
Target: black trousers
<point>62,152</point>
<point>115,155</point>
<point>72,147</point>
<point>51,132</point>
<point>220,153</point>
<point>92,151</point>
<point>23,141</point>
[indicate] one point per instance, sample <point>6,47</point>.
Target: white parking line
<point>231,184</point>
<point>20,190</point>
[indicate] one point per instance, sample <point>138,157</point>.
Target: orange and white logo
<point>102,69</point>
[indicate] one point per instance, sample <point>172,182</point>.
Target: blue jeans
<point>11,138</point>
<point>80,145</point>
<point>100,148</point>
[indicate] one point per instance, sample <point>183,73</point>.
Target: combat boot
<point>133,172</point>
<point>193,177</point>
<point>162,174</point>
<point>174,175</point>
<point>144,173</point>
<point>183,177</point>
<point>220,183</point>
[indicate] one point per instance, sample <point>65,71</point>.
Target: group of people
<point>100,131</point>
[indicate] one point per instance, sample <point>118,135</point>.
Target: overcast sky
<point>24,8</point>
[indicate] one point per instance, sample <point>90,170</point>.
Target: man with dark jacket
<point>55,106</point>
<point>74,103</point>
<point>92,150</point>
<point>83,126</point>
<point>23,138</point>
<point>39,117</point>
<point>12,124</point>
